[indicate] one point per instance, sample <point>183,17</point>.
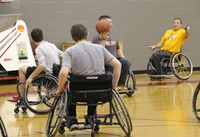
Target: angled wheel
<point>40,95</point>
<point>130,83</point>
<point>121,113</point>
<point>3,128</point>
<point>181,66</point>
<point>56,114</point>
<point>151,71</point>
<point>196,102</point>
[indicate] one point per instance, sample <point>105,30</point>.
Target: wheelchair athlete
<point>171,43</point>
<point>85,58</point>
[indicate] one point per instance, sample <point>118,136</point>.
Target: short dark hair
<point>177,18</point>
<point>79,32</point>
<point>105,17</point>
<point>37,34</point>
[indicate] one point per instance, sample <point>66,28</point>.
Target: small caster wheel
<point>61,130</point>
<point>24,109</point>
<point>96,128</point>
<point>16,110</point>
<point>129,93</point>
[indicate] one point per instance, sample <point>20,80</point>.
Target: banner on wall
<point>15,48</point>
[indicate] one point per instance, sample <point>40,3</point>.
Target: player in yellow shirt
<point>171,42</point>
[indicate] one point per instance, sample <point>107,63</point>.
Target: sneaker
<point>120,88</point>
<point>15,97</point>
<point>13,100</point>
<point>73,127</point>
<point>87,126</point>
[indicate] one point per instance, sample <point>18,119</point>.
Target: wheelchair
<point>196,102</point>
<point>178,65</point>
<point>130,84</point>
<point>38,97</point>
<point>89,91</point>
<point>3,128</point>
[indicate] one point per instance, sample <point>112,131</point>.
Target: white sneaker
<point>74,127</point>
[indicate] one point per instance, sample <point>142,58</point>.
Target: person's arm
<point>62,79</point>
<point>187,31</point>
<point>116,65</point>
<point>35,73</point>
<point>120,53</point>
<point>159,45</point>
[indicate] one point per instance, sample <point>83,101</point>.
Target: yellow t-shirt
<point>173,40</point>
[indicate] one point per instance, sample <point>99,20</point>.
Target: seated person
<point>85,58</point>
<point>110,42</point>
<point>171,42</point>
<point>46,53</point>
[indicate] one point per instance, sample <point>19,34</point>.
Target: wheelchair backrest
<point>92,88</point>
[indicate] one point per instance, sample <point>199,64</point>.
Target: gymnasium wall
<point>138,23</point>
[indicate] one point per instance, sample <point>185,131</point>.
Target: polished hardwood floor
<point>157,109</point>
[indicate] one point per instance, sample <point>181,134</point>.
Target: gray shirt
<point>112,44</point>
<point>86,59</point>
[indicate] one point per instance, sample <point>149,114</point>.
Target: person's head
<point>177,23</point>
<point>37,35</point>
<point>79,32</point>
<point>108,18</point>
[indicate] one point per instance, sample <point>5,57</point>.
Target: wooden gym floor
<point>157,109</point>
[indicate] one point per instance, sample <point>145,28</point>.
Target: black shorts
<point>30,70</point>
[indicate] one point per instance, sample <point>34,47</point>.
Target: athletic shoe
<point>120,88</point>
<point>73,127</point>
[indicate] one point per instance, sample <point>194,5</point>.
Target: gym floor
<point>157,108</point>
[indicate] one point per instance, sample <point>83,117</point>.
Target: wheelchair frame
<point>116,108</point>
<point>178,64</point>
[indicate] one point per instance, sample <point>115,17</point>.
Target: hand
<point>104,35</point>
<point>152,47</point>
<point>58,93</point>
<point>187,27</point>
<point>28,82</point>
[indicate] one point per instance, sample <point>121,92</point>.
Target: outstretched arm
<point>159,45</point>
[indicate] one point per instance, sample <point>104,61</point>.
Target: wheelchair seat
<point>90,88</point>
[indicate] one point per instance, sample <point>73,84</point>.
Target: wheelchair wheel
<point>151,71</point>
<point>40,95</point>
<point>3,128</point>
<point>56,114</point>
<point>130,84</point>
<point>196,102</point>
<point>181,66</point>
<point>121,113</point>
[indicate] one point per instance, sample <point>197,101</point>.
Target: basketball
<point>102,26</point>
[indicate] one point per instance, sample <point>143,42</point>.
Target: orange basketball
<point>102,26</point>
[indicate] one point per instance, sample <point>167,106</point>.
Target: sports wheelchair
<point>177,64</point>
<point>196,102</point>
<point>89,91</point>
<point>38,97</point>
